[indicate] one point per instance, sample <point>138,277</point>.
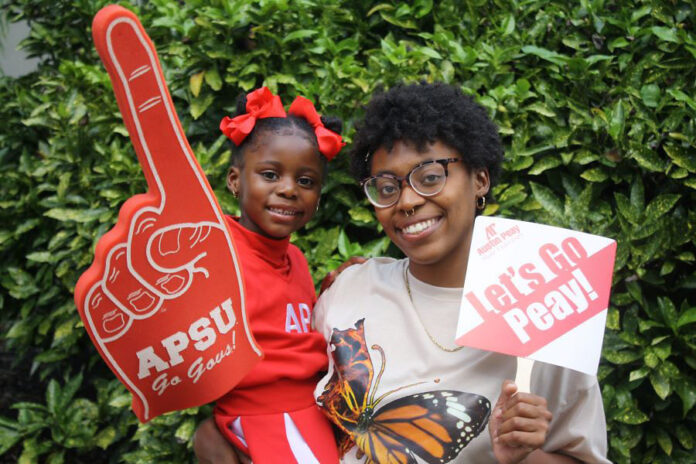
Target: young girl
<point>277,168</point>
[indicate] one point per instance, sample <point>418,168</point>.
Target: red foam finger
<point>171,170</point>
<point>163,301</point>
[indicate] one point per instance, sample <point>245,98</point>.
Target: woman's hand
<point>518,424</point>
<point>212,448</point>
<point>331,276</point>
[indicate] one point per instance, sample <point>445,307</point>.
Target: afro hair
<point>421,114</point>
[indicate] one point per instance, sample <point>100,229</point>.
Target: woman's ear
<point>482,182</point>
<point>233,179</point>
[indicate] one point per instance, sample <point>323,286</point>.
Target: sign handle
<point>523,377</point>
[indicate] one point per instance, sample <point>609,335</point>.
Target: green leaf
<point>508,25</point>
<point>56,457</point>
<point>53,396</point>
<point>9,436</point>
<point>20,283</point>
<point>105,437</point>
<point>681,157</point>
<point>650,94</point>
<point>664,441</point>
<point>659,206</point>
<point>547,199</point>
<point>682,97</point>
<point>621,357</point>
<point>595,175</point>
<point>41,257</point>
<point>63,330</point>
<point>650,358</point>
<point>685,436</point>
<point>660,384</point>
<point>542,109</point>
<point>77,215</point>
<point>212,78</point>
<point>632,416</point>
<point>360,214</point>
<point>617,120</point>
<point>668,312</point>
<point>687,317</point>
<point>668,34</point>
<point>548,162</point>
<point>427,51</point>
<point>69,390</point>
<point>638,374</point>
<point>344,245</point>
<point>185,431</point>
<point>299,34</point>
<point>686,389</point>
<point>195,83</point>
<point>545,54</point>
<point>121,401</point>
<point>199,105</point>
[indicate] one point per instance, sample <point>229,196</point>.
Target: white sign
<point>537,291</point>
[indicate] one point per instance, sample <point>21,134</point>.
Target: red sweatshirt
<point>279,297</point>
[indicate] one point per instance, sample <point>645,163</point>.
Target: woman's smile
<point>419,228</point>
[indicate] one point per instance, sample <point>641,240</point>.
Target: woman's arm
<point>212,448</point>
<point>541,457</point>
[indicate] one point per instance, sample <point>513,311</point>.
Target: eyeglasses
<point>426,179</point>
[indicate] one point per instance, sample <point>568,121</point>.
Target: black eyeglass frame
<point>400,179</point>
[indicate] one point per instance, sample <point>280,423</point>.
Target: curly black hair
<point>421,114</point>
<point>290,125</point>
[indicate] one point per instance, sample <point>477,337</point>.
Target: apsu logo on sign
<point>495,241</point>
<point>537,291</point>
<point>163,301</point>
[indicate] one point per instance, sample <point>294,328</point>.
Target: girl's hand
<point>518,424</point>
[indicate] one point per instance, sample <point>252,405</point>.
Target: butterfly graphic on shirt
<point>435,425</point>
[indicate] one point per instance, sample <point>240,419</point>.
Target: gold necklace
<point>432,339</point>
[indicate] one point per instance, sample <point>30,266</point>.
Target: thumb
<point>507,391</point>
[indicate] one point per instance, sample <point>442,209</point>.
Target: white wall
<point>14,62</point>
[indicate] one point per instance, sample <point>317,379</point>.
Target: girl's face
<point>436,236</point>
<point>278,185</point>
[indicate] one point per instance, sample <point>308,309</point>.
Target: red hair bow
<point>261,103</point>
<point>330,143</point>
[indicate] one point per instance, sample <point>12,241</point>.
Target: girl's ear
<point>482,182</point>
<point>233,180</point>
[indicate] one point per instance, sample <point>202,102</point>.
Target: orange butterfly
<point>434,425</point>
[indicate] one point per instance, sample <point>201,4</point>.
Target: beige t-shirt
<point>401,396</point>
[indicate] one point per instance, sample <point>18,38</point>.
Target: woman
<point>397,386</point>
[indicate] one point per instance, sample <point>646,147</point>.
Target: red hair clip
<point>260,104</point>
<point>330,143</point>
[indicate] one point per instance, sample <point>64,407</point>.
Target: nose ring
<point>410,212</point>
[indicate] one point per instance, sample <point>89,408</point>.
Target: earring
<point>316,210</point>
<point>480,203</point>
<point>235,193</point>
<point>410,212</point>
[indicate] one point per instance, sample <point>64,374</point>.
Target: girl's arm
<point>518,427</point>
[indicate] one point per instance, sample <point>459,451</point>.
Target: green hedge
<point>596,101</point>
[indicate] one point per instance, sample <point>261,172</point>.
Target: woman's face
<point>438,232</point>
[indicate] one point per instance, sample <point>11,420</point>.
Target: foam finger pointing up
<point>143,98</point>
